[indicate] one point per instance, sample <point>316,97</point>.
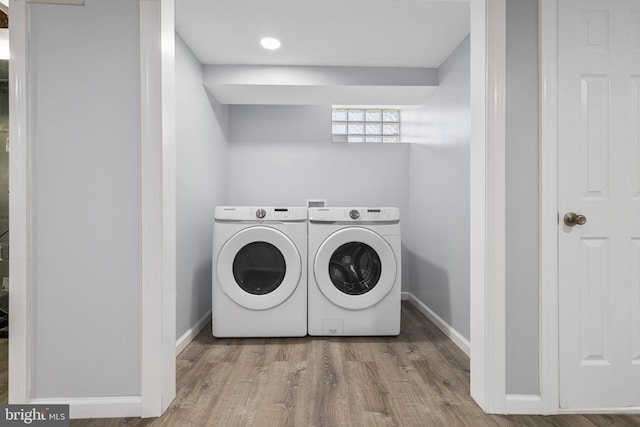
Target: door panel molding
<point>635,136</point>
<point>635,301</point>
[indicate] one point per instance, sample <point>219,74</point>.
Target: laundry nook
<point>320,213</point>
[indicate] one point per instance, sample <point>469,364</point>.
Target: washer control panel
<point>353,214</point>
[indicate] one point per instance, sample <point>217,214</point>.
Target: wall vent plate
<point>316,203</point>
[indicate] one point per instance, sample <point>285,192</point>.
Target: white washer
<point>259,272</point>
<point>354,271</point>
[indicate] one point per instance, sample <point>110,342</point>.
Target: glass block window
<point>365,125</point>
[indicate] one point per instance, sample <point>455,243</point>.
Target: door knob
<point>572,219</point>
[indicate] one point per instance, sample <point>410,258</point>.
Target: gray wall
<point>438,242</point>
<point>522,197</point>
<point>283,155</point>
<point>201,150</point>
<point>86,199</point>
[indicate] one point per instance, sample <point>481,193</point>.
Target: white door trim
<point>158,206</point>
<point>487,281</point>
<point>548,47</point>
<point>19,207</point>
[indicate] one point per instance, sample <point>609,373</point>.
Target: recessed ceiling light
<point>270,43</point>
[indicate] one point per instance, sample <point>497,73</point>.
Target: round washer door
<point>259,268</point>
<point>355,268</point>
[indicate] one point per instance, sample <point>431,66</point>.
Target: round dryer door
<point>259,268</point>
<point>355,268</point>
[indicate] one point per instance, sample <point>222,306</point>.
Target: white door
<point>599,177</point>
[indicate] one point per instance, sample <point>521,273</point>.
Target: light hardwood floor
<point>419,378</point>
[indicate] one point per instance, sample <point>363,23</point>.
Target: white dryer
<point>354,271</point>
<point>259,272</point>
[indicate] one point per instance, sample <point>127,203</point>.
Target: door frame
<point>157,183</point>
<point>549,218</point>
<point>548,273</point>
<point>19,207</point>
<point>487,206</point>
<point>158,207</point>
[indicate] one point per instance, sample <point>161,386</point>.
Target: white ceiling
<point>390,33</point>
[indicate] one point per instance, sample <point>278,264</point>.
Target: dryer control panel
<point>258,213</point>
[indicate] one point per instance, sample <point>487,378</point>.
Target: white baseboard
<point>451,333</point>
<point>620,411</point>
<point>97,407</point>
<point>523,404</point>
<point>191,333</point>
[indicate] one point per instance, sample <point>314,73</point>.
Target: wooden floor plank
<point>419,378</point>
<point>330,404</point>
